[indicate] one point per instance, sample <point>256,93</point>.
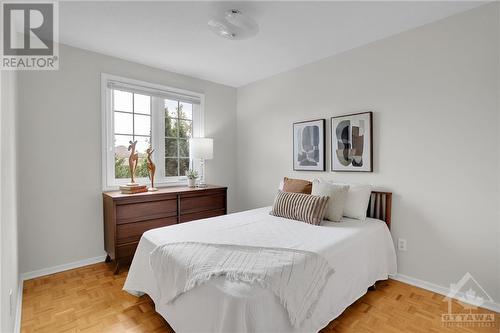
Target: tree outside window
<point>178,130</point>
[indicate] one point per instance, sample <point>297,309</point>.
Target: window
<point>159,117</point>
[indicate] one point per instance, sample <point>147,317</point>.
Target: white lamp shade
<point>201,148</point>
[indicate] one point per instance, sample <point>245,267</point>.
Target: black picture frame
<point>320,160</point>
<point>366,159</point>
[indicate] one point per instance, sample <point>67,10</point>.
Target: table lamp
<point>201,149</point>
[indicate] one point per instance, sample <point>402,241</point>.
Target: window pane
<point>171,147</point>
<point>185,110</point>
<point>142,125</point>
<point>171,167</point>
<point>184,128</point>
<point>142,104</point>
<point>122,143</point>
<point>121,156</point>
<point>170,127</point>
<point>121,168</point>
<point>123,123</point>
<point>122,101</point>
<point>142,168</point>
<point>183,166</point>
<point>183,148</point>
<point>143,143</point>
<point>171,108</point>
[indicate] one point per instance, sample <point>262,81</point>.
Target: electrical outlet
<point>11,302</point>
<point>402,244</point>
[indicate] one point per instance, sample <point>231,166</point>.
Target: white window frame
<point>109,182</point>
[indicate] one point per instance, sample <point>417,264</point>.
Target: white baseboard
<point>61,268</point>
<point>19,307</point>
<point>493,306</point>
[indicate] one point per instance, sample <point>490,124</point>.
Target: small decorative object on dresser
<point>309,145</point>
<point>191,175</point>
<point>133,159</point>
<point>151,170</point>
<point>127,189</point>
<point>352,141</point>
<point>127,217</point>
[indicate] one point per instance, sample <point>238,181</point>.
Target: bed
<point>361,253</point>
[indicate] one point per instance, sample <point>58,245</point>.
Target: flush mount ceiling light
<point>234,25</point>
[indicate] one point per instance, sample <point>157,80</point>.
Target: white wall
<point>498,140</point>
<point>60,152</point>
<point>434,92</point>
<point>9,276</point>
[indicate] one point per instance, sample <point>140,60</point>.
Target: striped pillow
<point>298,206</point>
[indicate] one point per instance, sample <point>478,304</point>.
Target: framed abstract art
<point>309,145</point>
<point>352,142</point>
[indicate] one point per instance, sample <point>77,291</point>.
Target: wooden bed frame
<point>380,207</point>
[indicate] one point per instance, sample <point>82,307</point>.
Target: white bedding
<point>361,252</point>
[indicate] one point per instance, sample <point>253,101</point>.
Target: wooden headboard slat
<point>380,206</point>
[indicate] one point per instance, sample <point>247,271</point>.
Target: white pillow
<point>358,198</point>
<point>338,197</point>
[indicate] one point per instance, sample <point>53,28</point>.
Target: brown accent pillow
<point>298,206</point>
<point>297,185</point>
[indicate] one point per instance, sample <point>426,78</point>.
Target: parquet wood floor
<point>90,299</point>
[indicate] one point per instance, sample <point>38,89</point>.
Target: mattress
<point>361,252</point>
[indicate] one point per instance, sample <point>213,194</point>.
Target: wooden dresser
<point>128,216</point>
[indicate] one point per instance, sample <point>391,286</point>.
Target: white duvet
<point>361,252</point>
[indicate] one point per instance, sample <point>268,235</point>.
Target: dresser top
<point>163,190</point>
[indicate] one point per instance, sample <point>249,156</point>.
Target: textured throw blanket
<point>295,277</point>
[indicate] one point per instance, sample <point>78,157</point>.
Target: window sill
<point>172,183</point>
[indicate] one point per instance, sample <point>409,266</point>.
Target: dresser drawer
<point>141,211</point>
<point>202,215</point>
<point>126,251</point>
<point>132,232</point>
<point>194,204</point>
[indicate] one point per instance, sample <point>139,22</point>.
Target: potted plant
<point>192,175</point>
